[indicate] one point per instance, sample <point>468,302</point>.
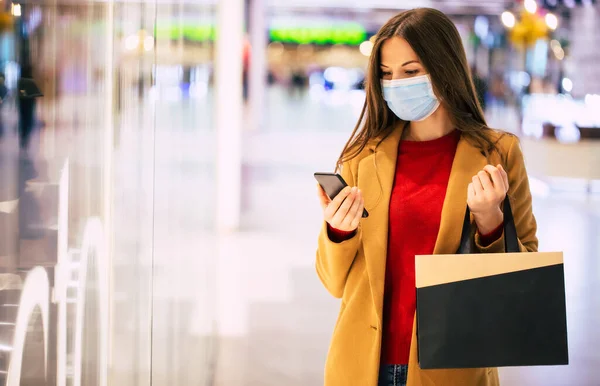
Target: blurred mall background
<point>158,214</point>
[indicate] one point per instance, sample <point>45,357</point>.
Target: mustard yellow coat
<point>354,270</point>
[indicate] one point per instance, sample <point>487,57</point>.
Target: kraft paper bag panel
<point>491,310</point>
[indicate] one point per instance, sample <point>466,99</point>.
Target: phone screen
<point>333,184</point>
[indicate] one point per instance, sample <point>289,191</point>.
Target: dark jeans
<point>393,375</point>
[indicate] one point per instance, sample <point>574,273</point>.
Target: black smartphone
<point>333,184</point>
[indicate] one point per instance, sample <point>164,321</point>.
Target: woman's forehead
<point>396,51</point>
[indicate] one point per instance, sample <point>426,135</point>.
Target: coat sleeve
<point>335,259</point>
<point>521,202</point>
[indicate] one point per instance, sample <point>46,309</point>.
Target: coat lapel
<point>376,179</point>
<point>376,175</point>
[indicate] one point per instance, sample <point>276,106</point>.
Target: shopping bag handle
<point>511,241</point>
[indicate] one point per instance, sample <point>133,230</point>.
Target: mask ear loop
<point>432,94</point>
<point>437,102</point>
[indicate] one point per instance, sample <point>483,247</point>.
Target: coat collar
<point>376,175</point>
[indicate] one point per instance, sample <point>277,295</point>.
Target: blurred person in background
<point>30,211</point>
<point>3,95</point>
<point>481,87</point>
<point>28,93</point>
<point>498,90</point>
<point>298,82</point>
<point>420,153</point>
<point>246,68</point>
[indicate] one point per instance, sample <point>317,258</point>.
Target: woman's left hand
<point>485,194</point>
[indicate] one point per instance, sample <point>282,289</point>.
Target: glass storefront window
<point>105,215</point>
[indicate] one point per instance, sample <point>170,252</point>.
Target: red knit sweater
<point>422,174</point>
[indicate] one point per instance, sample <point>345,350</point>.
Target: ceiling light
<point>366,48</point>
<point>531,6</point>
<point>551,21</point>
<point>508,19</point>
<point>16,10</point>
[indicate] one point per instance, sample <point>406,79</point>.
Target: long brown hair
<point>437,43</point>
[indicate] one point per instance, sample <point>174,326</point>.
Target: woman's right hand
<point>345,210</point>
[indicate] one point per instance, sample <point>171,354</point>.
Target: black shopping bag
<point>491,310</point>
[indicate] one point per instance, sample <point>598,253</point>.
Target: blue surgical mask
<point>411,99</point>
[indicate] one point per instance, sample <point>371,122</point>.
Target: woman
<point>420,153</point>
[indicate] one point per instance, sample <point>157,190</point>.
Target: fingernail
<point>354,189</point>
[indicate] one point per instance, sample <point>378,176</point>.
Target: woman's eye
<point>411,72</point>
<point>386,74</point>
